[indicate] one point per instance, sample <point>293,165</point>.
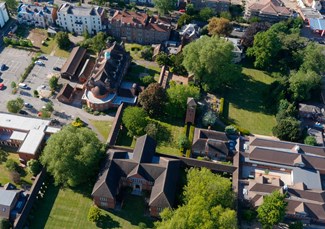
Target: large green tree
<point>177,95</point>
<point>99,41</point>
<point>153,99</point>
<point>62,39</point>
<point>273,209</point>
<point>266,47</point>
<point>207,201</point>
<point>288,129</point>
<point>14,106</point>
<point>135,120</point>
<point>12,6</point>
<point>301,84</point>
<point>252,30</point>
<point>210,60</point>
<point>164,6</point>
<point>206,13</point>
<point>72,155</point>
<point>313,58</point>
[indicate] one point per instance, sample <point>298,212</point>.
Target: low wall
<point>112,137</point>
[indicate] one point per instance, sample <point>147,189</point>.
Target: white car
<point>40,63</point>
<point>22,85</point>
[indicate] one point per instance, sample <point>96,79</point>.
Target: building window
<point>103,199</point>
<point>4,209</point>
<point>103,204</point>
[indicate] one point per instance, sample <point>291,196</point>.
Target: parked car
<point>42,57</point>
<point>1,86</point>
<point>22,85</point>
<point>28,105</point>
<point>40,63</point>
<point>23,112</point>
<point>2,67</point>
<point>57,69</point>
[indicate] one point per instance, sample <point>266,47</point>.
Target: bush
<point>35,93</point>
<point>146,80</point>
<point>34,167</point>
<point>12,165</point>
<point>209,118</point>
<point>146,53</point>
<point>221,106</point>
<point>4,223</point>
<point>310,140</point>
<point>243,131</point>
<point>96,113</point>
<point>249,215</point>
<point>94,214</point>
<point>15,177</point>
<point>142,225</point>
<point>231,130</point>
<point>183,142</point>
<point>77,122</point>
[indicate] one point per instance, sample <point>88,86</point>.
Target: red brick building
<point>139,27</point>
<point>141,171</point>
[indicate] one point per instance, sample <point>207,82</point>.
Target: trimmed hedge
<point>221,107</point>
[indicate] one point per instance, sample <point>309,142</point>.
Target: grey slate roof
<point>7,197</point>
<point>164,174</point>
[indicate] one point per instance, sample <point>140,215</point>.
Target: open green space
<point>246,102</point>
<point>51,45</point>
<point>134,50</point>
<point>67,208</point>
<point>103,127</point>
<point>136,71</point>
<point>25,177</point>
<point>167,137</point>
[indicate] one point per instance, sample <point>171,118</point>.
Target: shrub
<point>209,118</point>
<point>15,177</point>
<point>35,93</point>
<point>221,106</point>
<point>183,142</point>
<point>34,167</point>
<point>142,225</point>
<point>230,130</point>
<point>4,223</point>
<point>11,165</point>
<point>146,80</point>
<point>94,214</point>
<point>146,53</point>
<point>249,215</point>
<point>310,140</point>
<point>96,113</point>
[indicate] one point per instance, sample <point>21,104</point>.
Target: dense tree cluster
<point>219,26</point>
<point>164,6</point>
<point>153,99</point>
<point>210,60</point>
<point>62,39</point>
<point>208,202</point>
<point>14,106</point>
<point>72,155</point>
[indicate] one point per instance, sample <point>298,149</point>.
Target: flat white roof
<point>17,122</point>
<point>17,135</point>
<point>52,130</point>
<point>89,96</point>
<point>32,142</point>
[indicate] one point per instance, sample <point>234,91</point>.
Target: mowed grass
<point>246,102</point>
<point>135,50</point>
<point>51,45</point>
<point>103,127</point>
<point>65,208</point>
<point>167,137</point>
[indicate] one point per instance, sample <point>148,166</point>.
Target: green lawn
<point>5,174</point>
<point>246,104</point>
<point>136,70</point>
<point>134,50</point>
<point>66,208</point>
<point>167,137</point>
<point>103,127</point>
<point>51,45</point>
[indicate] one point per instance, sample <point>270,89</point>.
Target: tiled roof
<point>72,63</point>
<point>270,7</point>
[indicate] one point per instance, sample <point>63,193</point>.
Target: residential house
<point>238,51</point>
<point>104,88</point>
<point>213,144</point>
<point>217,5</point>
<point>268,10</point>
<point>78,19</point>
<point>139,27</point>
<point>36,15</point>
<point>141,171</point>
<point>291,168</point>
<point>74,64</point>
<point>317,25</point>
<point>26,134</point>
<point>190,32</point>
<point>8,200</point>
<point>4,15</point>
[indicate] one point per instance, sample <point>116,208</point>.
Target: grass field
<point>134,50</point>
<point>167,137</point>
<point>246,105</point>
<point>103,127</point>
<point>51,45</point>
<point>66,208</point>
<point>136,70</point>
<point>5,174</point>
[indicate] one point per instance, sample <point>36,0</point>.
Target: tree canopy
<point>12,6</point>
<point>135,120</point>
<point>310,140</point>
<point>266,47</point>
<point>62,38</point>
<point>206,13</point>
<point>153,99</point>
<point>219,26</point>
<point>313,58</point>
<point>301,84</point>
<point>164,6</point>
<point>272,211</point>
<point>252,30</point>
<point>177,95</point>
<point>15,105</point>
<point>288,129</point>
<point>72,155</point>
<point>207,201</point>
<point>210,60</point>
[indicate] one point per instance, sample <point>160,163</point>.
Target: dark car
<point>23,112</point>
<point>57,69</point>
<point>2,67</point>
<point>42,58</point>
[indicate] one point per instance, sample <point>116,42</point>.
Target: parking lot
<point>16,61</point>
<point>40,75</point>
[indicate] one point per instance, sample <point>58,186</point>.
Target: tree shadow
<point>248,94</point>
<point>106,221</point>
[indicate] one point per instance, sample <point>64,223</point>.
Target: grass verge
<point>103,127</point>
